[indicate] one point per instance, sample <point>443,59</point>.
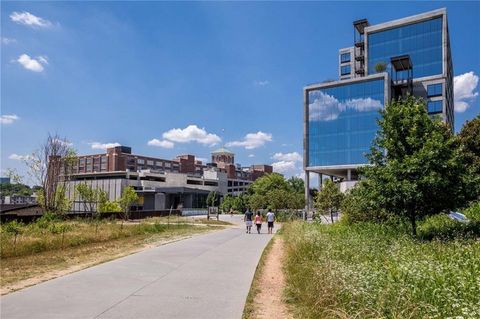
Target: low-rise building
<point>183,182</point>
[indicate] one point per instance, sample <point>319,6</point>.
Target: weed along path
<point>206,276</point>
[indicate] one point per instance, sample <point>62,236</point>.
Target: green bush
<point>443,227</point>
<point>473,212</point>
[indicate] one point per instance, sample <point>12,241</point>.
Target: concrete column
<point>349,175</point>
<point>307,191</point>
<point>320,178</point>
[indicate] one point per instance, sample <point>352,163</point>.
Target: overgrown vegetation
<point>51,233</point>
<point>418,168</point>
<point>368,270</point>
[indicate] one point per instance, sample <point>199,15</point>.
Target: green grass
<point>375,271</point>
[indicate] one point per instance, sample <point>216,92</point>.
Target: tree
<point>256,201</point>
<point>105,205</point>
<point>329,199</point>
<point>88,196</point>
<point>267,183</point>
<point>129,196</point>
<point>12,173</point>
<point>50,166</point>
<point>416,166</point>
<point>9,189</point>
<point>469,139</point>
<point>278,199</point>
<point>227,203</point>
<point>212,199</point>
<point>296,184</point>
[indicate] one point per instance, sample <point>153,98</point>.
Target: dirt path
<point>269,300</point>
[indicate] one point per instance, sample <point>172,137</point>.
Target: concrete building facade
<point>183,182</point>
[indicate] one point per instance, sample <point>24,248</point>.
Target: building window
<point>167,164</point>
<point>434,89</point>
<point>140,161</point>
<point>149,162</point>
<point>345,57</point>
<point>345,69</point>
<point>434,107</point>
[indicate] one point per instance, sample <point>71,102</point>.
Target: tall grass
<point>51,234</point>
<point>378,271</point>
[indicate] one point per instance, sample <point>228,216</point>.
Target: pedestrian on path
<point>248,220</point>
<point>258,222</point>
<point>270,220</point>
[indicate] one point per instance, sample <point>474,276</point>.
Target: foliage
<point>361,204</point>
<point>268,183</point>
<point>49,233</point>
<point>107,206</point>
<point>9,189</point>
<point>443,227</point>
<point>274,192</point>
<point>14,176</point>
<point>213,199</point>
<point>329,199</point>
<point>469,139</point>
<point>417,167</point>
<point>296,184</point>
<point>380,67</point>
<point>256,201</point>
<point>49,167</point>
<point>129,196</point>
<point>473,211</point>
<point>227,203</point>
<point>236,203</point>
<point>371,270</point>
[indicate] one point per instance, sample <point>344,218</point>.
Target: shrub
<point>443,227</point>
<point>473,212</point>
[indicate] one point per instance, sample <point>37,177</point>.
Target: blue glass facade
<point>345,69</point>
<point>422,41</point>
<point>342,122</point>
<point>434,89</point>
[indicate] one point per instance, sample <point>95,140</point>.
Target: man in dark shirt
<point>248,220</point>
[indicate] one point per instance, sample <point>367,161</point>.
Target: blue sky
<point>130,73</point>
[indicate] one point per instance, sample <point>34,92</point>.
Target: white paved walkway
<point>207,276</point>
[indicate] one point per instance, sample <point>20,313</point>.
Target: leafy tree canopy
<point>417,168</point>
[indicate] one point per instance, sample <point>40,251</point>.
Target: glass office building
<point>422,41</point>
<point>342,121</point>
<point>386,61</point>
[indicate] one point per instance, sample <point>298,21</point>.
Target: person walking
<point>270,220</point>
<point>248,220</point>
<point>258,222</point>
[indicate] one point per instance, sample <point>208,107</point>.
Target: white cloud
<point>43,59</point>
<point>286,162</point>
<point>327,108</point>
<point>191,133</point>
<point>8,118</point>
<point>284,166</point>
<point>8,41</point>
<point>261,83</point>
<point>17,157</point>
<point>464,87</point>
<point>32,64</point>
<point>252,140</point>
<point>26,18</point>
<point>251,155</point>
<point>159,143</point>
<point>290,157</point>
<point>103,146</point>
